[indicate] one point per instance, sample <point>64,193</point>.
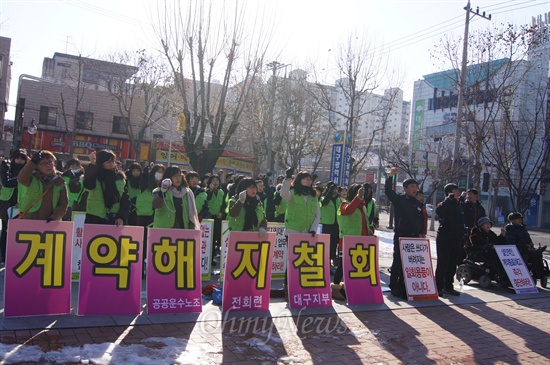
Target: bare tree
<point>303,127</point>
<point>141,97</point>
<point>497,60</point>
<point>505,107</point>
<point>362,69</point>
<point>72,95</point>
<point>201,42</point>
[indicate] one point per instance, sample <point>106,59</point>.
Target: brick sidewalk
<point>505,332</point>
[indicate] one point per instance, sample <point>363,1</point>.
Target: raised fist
<point>36,157</point>
<point>242,196</point>
<point>165,185</point>
<point>262,231</point>
<point>289,172</point>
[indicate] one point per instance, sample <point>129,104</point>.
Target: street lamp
<point>31,129</point>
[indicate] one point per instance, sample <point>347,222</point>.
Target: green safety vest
<point>300,213</point>
<point>281,208</point>
<point>26,195</point>
<point>144,203</point>
<point>237,223</point>
<point>72,196</point>
<point>96,205</point>
<point>165,216</point>
<point>6,193</point>
<point>351,224</point>
<point>133,192</point>
<point>328,212</point>
<point>215,203</point>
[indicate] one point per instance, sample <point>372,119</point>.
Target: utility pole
<point>462,83</point>
<point>435,183</point>
<point>274,66</point>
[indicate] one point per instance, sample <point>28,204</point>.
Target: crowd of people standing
<point>166,197</point>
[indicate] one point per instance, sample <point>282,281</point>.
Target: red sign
<point>59,142</point>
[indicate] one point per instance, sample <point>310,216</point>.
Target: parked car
<point>429,209</point>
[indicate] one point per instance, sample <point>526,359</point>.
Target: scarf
<point>110,192</point>
<point>133,180</point>
<point>193,215</point>
<point>250,216</point>
<point>46,179</point>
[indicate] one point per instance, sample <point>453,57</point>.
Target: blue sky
<point>305,31</point>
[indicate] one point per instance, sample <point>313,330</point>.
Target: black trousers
<point>449,249</point>
<point>397,281</point>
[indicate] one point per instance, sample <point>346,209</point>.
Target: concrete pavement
<point>493,326</point>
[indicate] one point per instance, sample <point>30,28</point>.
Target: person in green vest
<point>246,210</point>
<point>329,209</point>
<point>73,175</point>
<point>193,179</point>
<point>150,180</point>
<point>280,205</point>
<point>108,201</point>
<point>353,222</point>
<point>133,178</point>
<point>231,189</point>
<point>174,202</point>
<point>215,200</point>
<point>42,193</point>
<point>9,169</point>
<point>372,209</point>
<point>302,212</point>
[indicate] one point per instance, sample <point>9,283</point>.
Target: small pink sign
<point>308,270</point>
<point>38,268</point>
<point>361,273</point>
<point>247,279</point>
<point>110,276</point>
<point>174,271</point>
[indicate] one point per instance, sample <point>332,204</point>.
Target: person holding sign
<point>449,240</point>
<point>246,210</point>
<point>353,222</point>
<point>174,202</point>
<point>409,222</point>
<point>108,201</point>
<point>42,193</point>
<point>302,212</point>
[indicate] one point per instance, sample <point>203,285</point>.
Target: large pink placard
<point>110,276</point>
<point>38,268</point>
<point>174,271</point>
<point>308,270</point>
<point>247,279</point>
<point>361,272</point>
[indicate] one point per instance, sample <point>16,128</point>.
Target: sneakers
<point>451,292</point>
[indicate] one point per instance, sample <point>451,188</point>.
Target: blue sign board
<point>340,164</point>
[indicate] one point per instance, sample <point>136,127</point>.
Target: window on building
<point>48,115</point>
<point>84,120</point>
<point>120,125</point>
<point>90,76</point>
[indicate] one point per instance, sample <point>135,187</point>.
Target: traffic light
<point>486,181</point>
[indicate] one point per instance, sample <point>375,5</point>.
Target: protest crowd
<point>37,187</point>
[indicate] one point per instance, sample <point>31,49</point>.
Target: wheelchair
<point>539,270</point>
<point>482,265</point>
